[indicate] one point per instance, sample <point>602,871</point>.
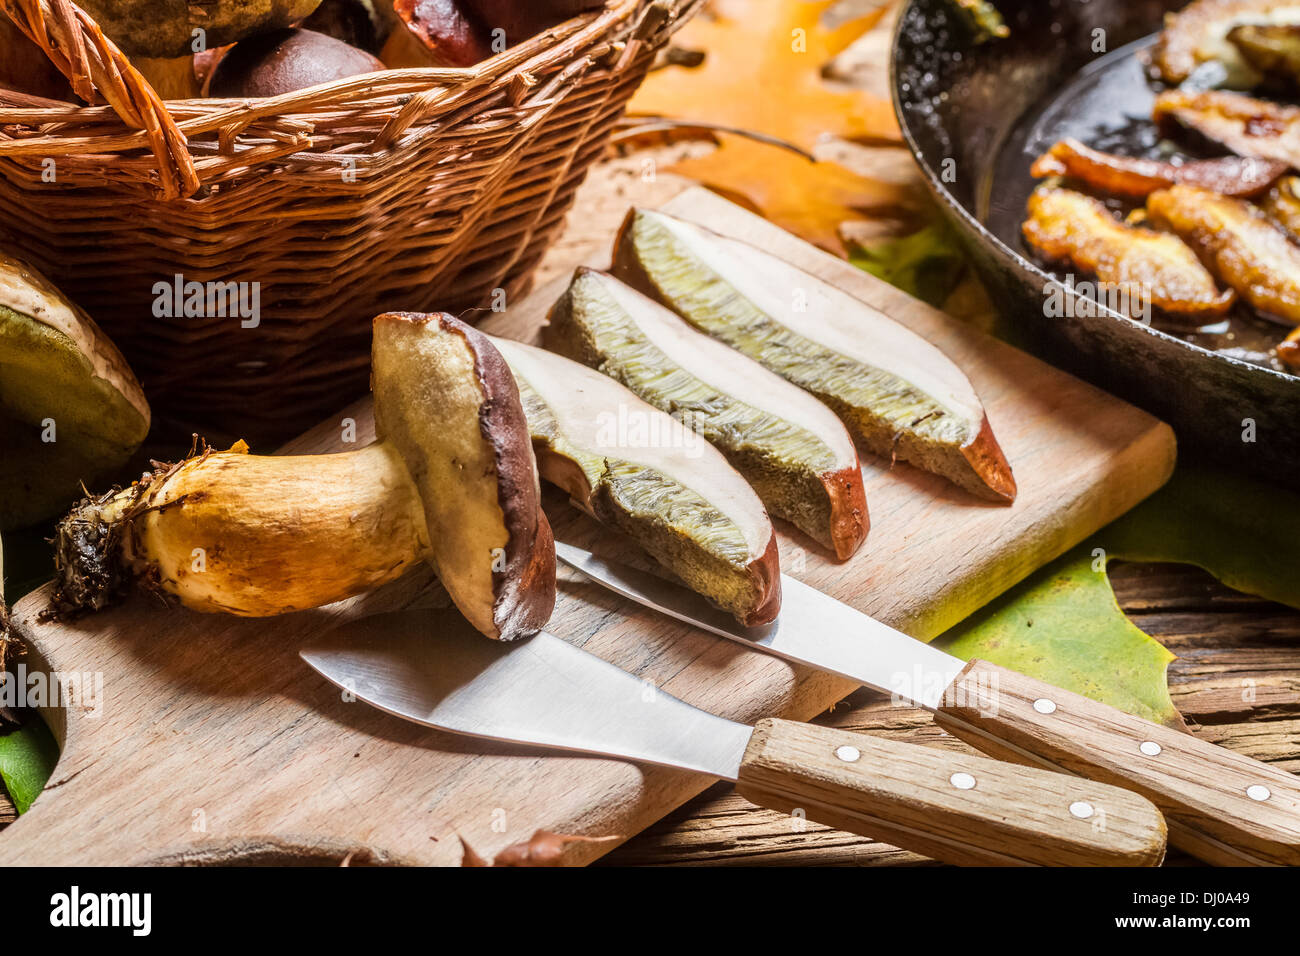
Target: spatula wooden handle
<point>952,807</point>
<point>1222,807</point>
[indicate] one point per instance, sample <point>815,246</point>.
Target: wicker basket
<point>411,189</point>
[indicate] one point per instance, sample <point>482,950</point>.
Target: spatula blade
<point>431,667</point>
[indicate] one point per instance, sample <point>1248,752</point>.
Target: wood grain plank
<point>1219,804</point>
<point>721,829</point>
<point>212,737</point>
<point>1009,816</point>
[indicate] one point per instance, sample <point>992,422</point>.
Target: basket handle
<point>91,61</point>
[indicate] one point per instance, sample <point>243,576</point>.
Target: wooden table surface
<point>1236,681</point>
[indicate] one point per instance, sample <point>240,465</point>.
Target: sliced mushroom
<point>647,475</point>
<point>1271,48</point>
<point>1289,350</point>
<point>897,393</point>
<point>1282,205</point>
<point>1151,266</point>
<point>1238,243</point>
<point>446,400</point>
<point>1136,177</point>
<point>1245,125</point>
<point>791,448</point>
<point>1199,32</point>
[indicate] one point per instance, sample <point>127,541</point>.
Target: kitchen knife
<point>1222,807</point>
<point>432,668</point>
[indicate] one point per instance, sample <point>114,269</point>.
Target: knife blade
<point>432,668</point>
<point>1222,807</point>
<point>812,629</point>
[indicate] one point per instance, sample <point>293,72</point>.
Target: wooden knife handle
<point>1222,807</point>
<point>952,807</point>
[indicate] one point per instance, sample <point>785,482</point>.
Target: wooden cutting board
<point>211,741</point>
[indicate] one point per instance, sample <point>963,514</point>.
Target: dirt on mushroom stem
<point>90,571</point>
<point>11,648</point>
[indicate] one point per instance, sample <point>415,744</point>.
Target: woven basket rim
<point>500,65</point>
<point>388,102</point>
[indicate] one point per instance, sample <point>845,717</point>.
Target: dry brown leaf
<point>543,848</point>
<point>865,64</point>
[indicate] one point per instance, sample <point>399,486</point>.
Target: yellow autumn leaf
<point>763,73</point>
<point>808,199</point>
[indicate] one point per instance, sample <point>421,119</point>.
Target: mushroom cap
<point>446,400</point>
<point>281,61</point>
<point>71,411</point>
<point>166,28</point>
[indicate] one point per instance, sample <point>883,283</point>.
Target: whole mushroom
<point>180,28</point>
<point>451,480</point>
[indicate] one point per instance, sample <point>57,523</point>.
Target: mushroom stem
<point>244,534</point>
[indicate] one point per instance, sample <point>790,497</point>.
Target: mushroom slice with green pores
<point>897,393</point>
<point>790,447</point>
<point>644,473</point>
<point>445,399</point>
<point>71,411</point>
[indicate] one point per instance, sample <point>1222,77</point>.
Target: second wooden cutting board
<point>211,741</point>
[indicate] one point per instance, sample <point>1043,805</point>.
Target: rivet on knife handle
<point>953,807</point>
<point>1223,807</point>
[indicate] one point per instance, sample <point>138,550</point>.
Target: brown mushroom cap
<point>445,398</point>
<point>166,28</point>
<point>282,61</point>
